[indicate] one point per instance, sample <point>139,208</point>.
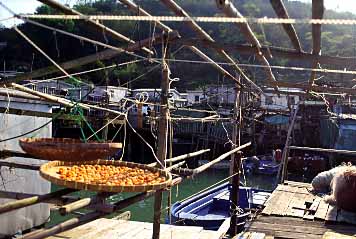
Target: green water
<point>143,211</point>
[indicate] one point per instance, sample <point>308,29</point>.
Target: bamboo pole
<point>286,147</point>
<point>94,24</point>
<point>103,55</point>
<point>10,153</point>
<point>281,11</point>
<point>136,9</point>
<point>181,157</point>
<point>162,139</point>
<point>317,13</point>
<point>18,195</point>
<point>227,7</point>
<point>20,95</point>
<point>316,88</point>
<point>235,194</point>
<point>10,206</point>
<point>237,105</point>
<point>19,165</point>
<point>62,101</point>
<point>193,172</point>
<point>173,6</point>
<point>276,52</point>
<point>338,151</point>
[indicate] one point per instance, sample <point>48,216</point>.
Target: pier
<point>293,211</point>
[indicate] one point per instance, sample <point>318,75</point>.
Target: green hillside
<point>337,40</point>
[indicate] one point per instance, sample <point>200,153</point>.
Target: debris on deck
<point>294,212</point>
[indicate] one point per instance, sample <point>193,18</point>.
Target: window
<point>196,98</point>
<point>269,100</point>
<point>291,100</point>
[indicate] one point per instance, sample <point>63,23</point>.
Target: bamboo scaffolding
<point>94,24</point>
<point>276,52</point>
<point>136,9</point>
<point>19,165</point>
<point>229,10</point>
<point>285,153</point>
<point>4,153</point>
<point>57,201</point>
<point>181,157</point>
<point>173,6</point>
<point>193,172</point>
<point>103,55</point>
<point>10,206</point>
<point>162,139</point>
<point>338,151</point>
<point>316,88</point>
<point>317,13</point>
<point>281,12</point>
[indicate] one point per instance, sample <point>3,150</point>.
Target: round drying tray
<point>50,171</point>
<point>64,149</point>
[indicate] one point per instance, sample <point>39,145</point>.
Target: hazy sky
<point>29,6</point>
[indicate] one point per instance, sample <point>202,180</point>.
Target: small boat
<point>261,165</point>
<point>210,209</point>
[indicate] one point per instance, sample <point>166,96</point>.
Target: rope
<point>263,20</point>
<point>84,72</point>
<point>273,67</point>
<point>44,54</point>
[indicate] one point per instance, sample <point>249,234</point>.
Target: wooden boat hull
<point>211,208</point>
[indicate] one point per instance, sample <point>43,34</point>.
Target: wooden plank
<point>320,214</point>
<point>284,201</point>
<point>289,235</point>
<point>335,235</point>
<point>224,227</point>
<point>255,226</point>
<point>297,205</point>
<point>331,214</point>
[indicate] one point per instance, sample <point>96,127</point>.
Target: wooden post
<point>235,194</point>
<point>235,129</point>
<point>286,146</point>
<point>162,140</point>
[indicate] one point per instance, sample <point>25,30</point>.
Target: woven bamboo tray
<point>50,169</point>
<point>64,149</point>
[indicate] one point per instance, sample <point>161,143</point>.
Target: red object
<point>278,155</point>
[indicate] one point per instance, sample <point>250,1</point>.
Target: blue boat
<point>261,165</point>
<point>210,209</point>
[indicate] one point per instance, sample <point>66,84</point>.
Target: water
<point>143,211</point>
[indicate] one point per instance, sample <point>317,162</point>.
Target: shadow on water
<point>143,211</point>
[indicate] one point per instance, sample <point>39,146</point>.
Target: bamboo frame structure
<point>281,12</point>
<point>227,7</point>
<point>10,206</point>
<point>136,9</point>
<point>200,169</point>
<point>285,153</point>
<point>317,13</point>
<point>103,55</point>
<point>174,7</point>
<point>338,151</point>
<point>275,51</point>
<point>96,25</point>
<point>181,157</point>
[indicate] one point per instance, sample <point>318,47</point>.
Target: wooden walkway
<point>112,228</point>
<point>293,212</point>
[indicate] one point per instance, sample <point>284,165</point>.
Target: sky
<point>29,6</point>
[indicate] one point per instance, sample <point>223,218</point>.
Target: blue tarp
<point>277,119</point>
